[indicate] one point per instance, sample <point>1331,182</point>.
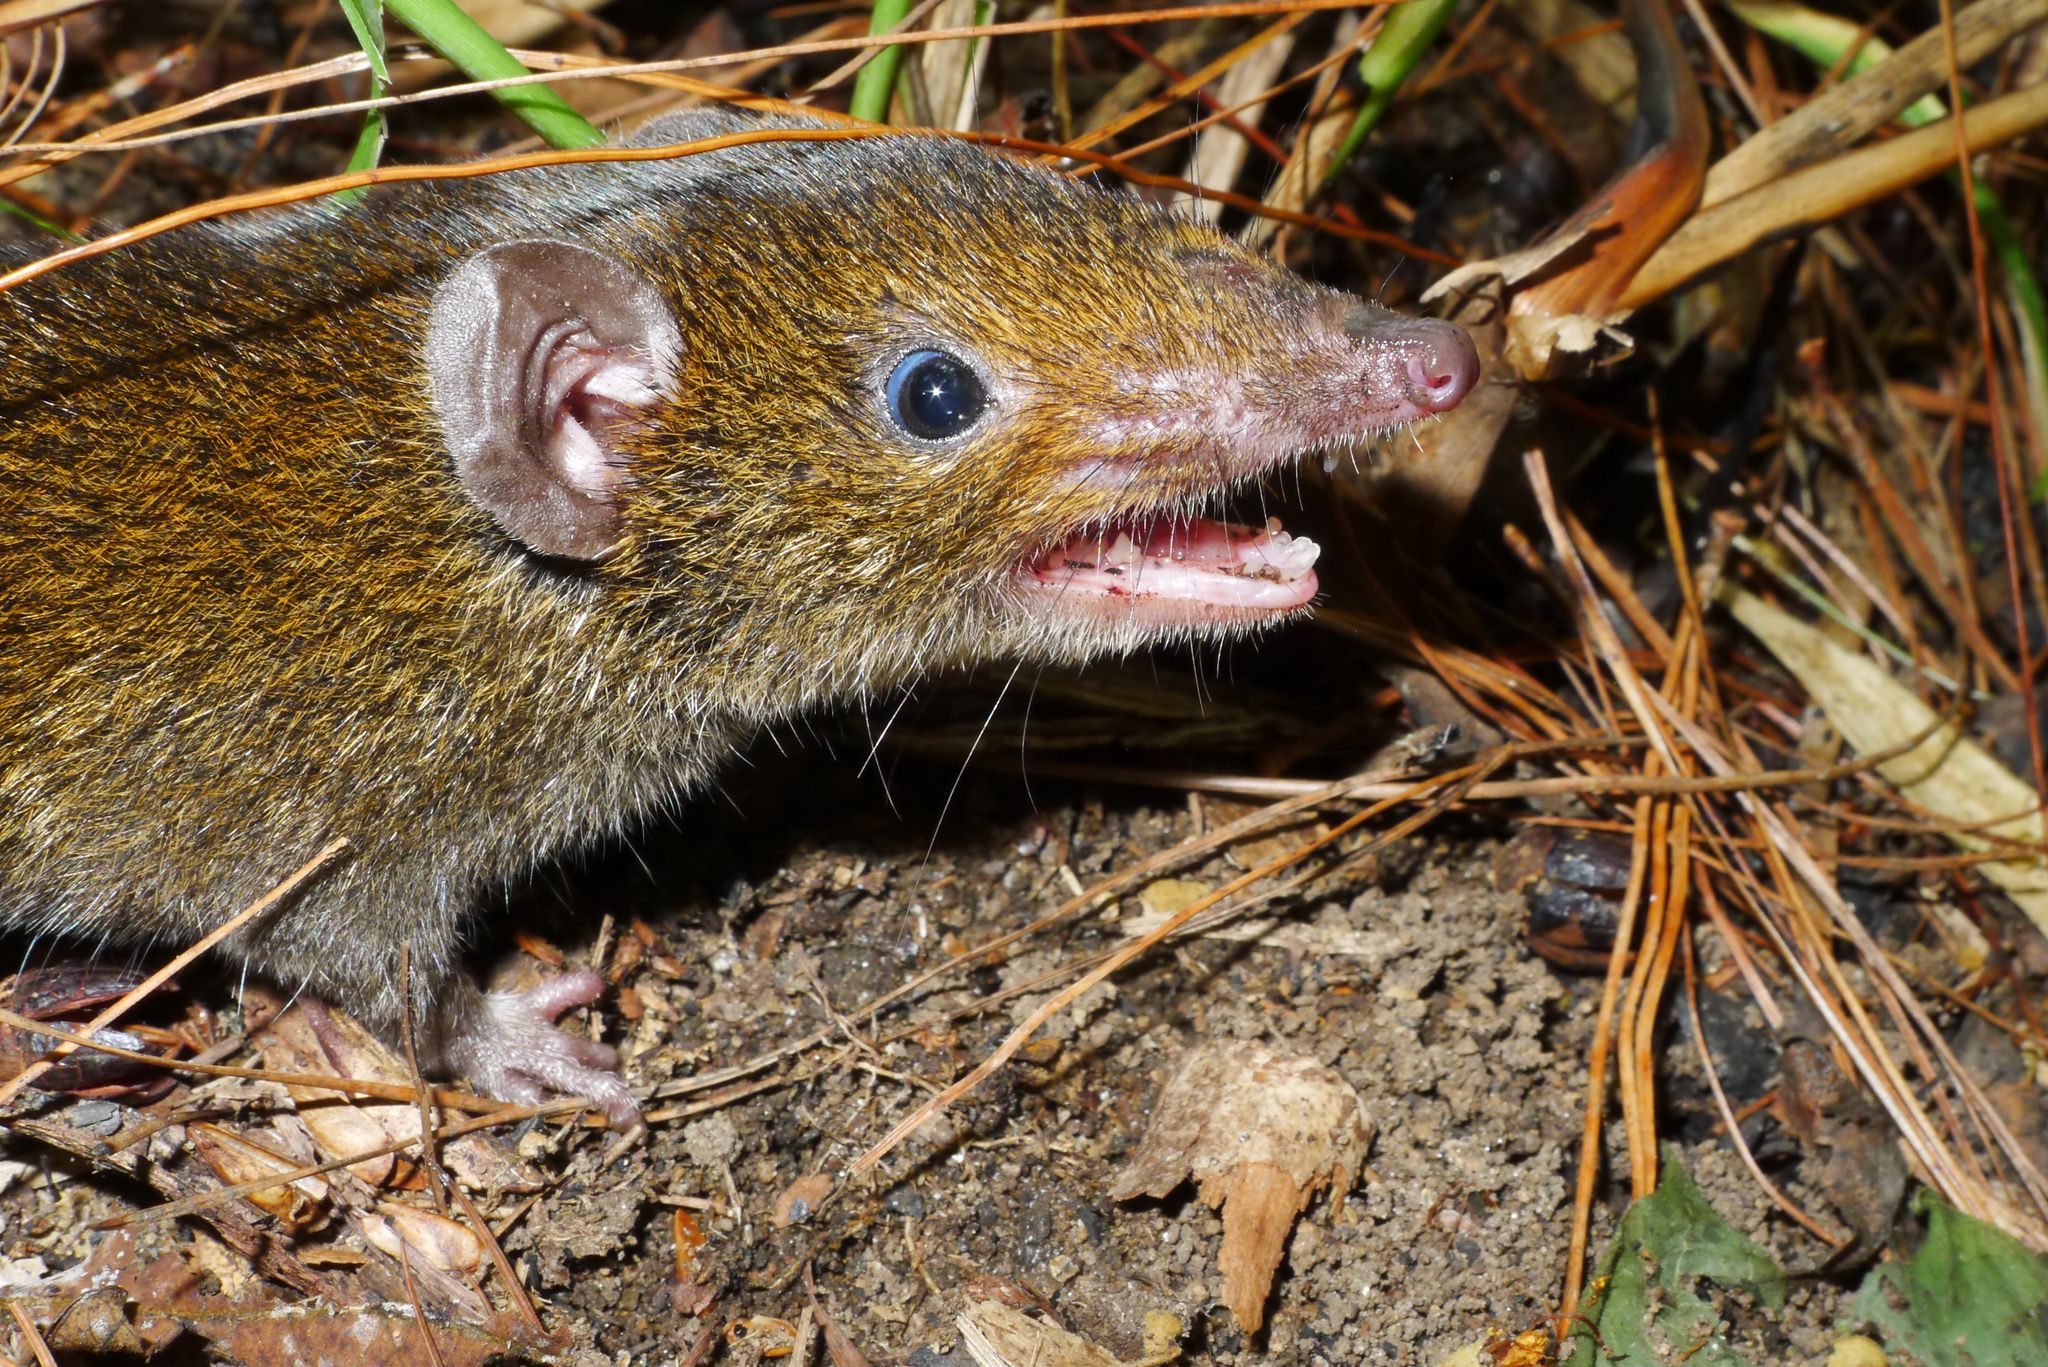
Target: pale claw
<point>512,1049</point>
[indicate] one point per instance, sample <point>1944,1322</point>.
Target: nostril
<point>1420,372</point>
<point>1443,365</point>
<point>1426,380</point>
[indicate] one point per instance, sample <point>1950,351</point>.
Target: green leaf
<point>1973,1296</point>
<point>1644,1308</point>
<point>366,21</point>
<point>877,80</point>
<point>481,57</point>
<point>1406,35</point>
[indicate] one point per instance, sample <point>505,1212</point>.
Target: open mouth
<point>1165,571</point>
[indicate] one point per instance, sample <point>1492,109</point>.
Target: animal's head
<point>921,403</point>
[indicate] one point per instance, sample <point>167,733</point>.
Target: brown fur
<point>246,609</point>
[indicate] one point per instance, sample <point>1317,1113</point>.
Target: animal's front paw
<point>509,1046</point>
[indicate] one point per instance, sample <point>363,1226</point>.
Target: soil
<point>804,895</point>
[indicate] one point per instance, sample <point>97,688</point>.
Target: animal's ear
<point>537,353</point>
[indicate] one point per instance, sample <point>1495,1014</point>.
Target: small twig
<point>570,68</point>
<point>455,1129</point>
<point>514,1288</point>
<point>419,1311</point>
<point>446,1097</point>
<point>296,880</point>
<point>30,1334</point>
<point>1448,795</point>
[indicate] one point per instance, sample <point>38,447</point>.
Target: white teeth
<point>1273,529</point>
<point>1289,556</point>
<point>1123,551</point>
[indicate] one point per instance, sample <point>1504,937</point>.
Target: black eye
<point>934,395</point>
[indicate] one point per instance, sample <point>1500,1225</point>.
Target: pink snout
<point>1425,365</point>
<point>1442,364</point>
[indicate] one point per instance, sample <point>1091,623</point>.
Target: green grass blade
<point>36,220</point>
<point>481,57</point>
<point>366,21</point>
<point>1406,35</point>
<point>1822,39</point>
<point>877,80</point>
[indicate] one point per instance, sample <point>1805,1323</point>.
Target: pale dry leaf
<point>1260,1132</point>
<point>1510,269</point>
<point>414,1248</point>
<point>1946,774</point>
<point>1301,180</point>
<point>999,1335</point>
<point>1537,344</point>
<point>1166,897</point>
<point>436,1240</point>
<point>310,1039</point>
<point>313,1039</point>
<point>952,70</point>
<point>1221,151</point>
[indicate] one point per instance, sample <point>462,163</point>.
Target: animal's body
<point>473,521</point>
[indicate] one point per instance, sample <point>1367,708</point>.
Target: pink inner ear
<point>593,391</point>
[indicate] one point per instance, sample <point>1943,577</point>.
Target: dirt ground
<point>805,895</point>
<point>1415,984</point>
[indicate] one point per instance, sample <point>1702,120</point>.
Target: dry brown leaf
<point>310,1038</point>
<point>300,1206</point>
<point>291,1335</point>
<point>110,1304</point>
<point>1511,269</point>
<point>1260,1132</point>
<point>801,1199</point>
<point>434,1239</point>
<point>1852,1152</point>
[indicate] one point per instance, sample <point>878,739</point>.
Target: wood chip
<point>1260,1132</point>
